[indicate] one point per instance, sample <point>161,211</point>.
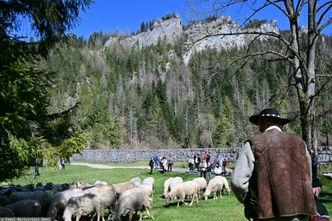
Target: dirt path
<point>101,166</point>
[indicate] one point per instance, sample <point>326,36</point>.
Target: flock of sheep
<point>174,187</point>
<point>64,201</point>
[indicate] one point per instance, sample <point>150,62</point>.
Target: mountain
<point>200,34</point>
<point>169,29</point>
<point>171,86</point>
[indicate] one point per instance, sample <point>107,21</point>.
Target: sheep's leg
<point>192,200</point>
<point>140,215</point>
<point>197,198</point>
<point>149,212</point>
<point>215,195</point>
<point>183,197</point>
<point>101,210</point>
<point>78,217</point>
<point>130,216</point>
<point>98,215</point>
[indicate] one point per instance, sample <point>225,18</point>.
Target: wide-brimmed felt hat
<point>268,113</point>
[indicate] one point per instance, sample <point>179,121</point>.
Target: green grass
<point>325,168</point>
<point>139,163</point>
<point>326,194</point>
<point>226,208</point>
<point>142,163</point>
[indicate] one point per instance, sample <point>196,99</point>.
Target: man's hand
<point>316,191</point>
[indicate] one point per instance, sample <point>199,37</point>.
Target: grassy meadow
<point>226,208</point>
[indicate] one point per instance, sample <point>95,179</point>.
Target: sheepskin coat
<point>260,167</point>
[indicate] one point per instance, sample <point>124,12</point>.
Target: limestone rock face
<point>218,33</point>
<point>208,35</point>
<point>168,29</point>
<point>269,27</point>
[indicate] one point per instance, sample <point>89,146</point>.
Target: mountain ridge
<point>200,35</point>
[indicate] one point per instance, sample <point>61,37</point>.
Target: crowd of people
<point>165,164</point>
<point>206,165</point>
<point>203,164</point>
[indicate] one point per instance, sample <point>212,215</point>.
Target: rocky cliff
<point>200,35</point>
<point>168,29</point>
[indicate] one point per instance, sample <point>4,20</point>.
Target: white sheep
<point>216,184</point>
<point>106,195</point>
<point>201,182</point>
<point>82,206</point>
<point>181,190</point>
<point>121,187</point>
<point>100,183</point>
<point>226,185</point>
<point>60,201</point>
<point>148,180</point>
<point>148,186</point>
<point>131,201</point>
<point>170,183</point>
<point>136,181</point>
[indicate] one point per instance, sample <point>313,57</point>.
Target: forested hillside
<point>147,96</point>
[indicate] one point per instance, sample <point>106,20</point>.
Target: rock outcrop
<point>220,33</point>
<point>169,29</point>
<point>208,35</point>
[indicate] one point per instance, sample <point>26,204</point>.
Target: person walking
<point>209,169</point>
<point>224,164</point>
<point>151,165</point>
<point>191,165</point>
<point>163,164</point>
<point>203,168</point>
<point>170,164</point>
<point>36,167</point>
<point>156,160</point>
<point>272,176</point>
<point>197,161</point>
<point>217,170</point>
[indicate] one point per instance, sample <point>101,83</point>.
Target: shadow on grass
<point>325,197</point>
<point>173,204</point>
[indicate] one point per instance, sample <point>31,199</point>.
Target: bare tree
<point>301,56</point>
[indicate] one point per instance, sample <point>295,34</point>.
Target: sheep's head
<point>136,181</point>
<point>225,189</point>
<point>168,198</point>
<point>206,195</point>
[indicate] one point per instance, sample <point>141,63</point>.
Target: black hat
<point>268,113</point>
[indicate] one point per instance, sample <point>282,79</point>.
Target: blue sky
<point>127,15</point>
<point>124,15</point>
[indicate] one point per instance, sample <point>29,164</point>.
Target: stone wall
<point>325,156</point>
<point>131,155</point>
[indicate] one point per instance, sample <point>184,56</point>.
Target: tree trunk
<point>311,133</point>
<point>304,73</point>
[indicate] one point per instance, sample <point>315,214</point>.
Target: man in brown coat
<point>272,177</point>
